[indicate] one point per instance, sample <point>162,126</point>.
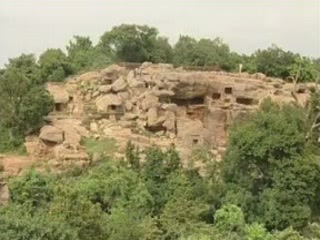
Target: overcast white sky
<point>31,26</point>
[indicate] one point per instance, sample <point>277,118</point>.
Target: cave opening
<point>245,101</point>
<point>58,107</point>
<point>155,129</point>
<point>187,102</point>
<point>216,96</point>
<point>228,90</point>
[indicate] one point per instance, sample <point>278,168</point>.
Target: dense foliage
<point>139,43</point>
<point>266,187</point>
<point>24,100</point>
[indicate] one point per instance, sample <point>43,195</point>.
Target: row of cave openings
<point>200,100</point>
<point>60,107</point>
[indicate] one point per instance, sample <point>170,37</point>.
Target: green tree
<point>54,65</point>
<point>256,231</point>
<point>274,61</point>
<point>17,222</point>
<point>302,70</point>
<point>22,106</point>
<point>130,43</point>
<point>183,51</point>
<point>162,51</point>
<point>80,53</point>
<point>26,64</point>
<point>32,188</point>
<point>183,217</point>
<point>229,221</point>
<point>266,161</point>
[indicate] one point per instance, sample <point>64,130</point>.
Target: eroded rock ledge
<point>152,104</point>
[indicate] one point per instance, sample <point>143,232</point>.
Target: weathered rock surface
<point>171,105</point>
<point>105,88</point>
<point>149,101</point>
<point>119,85</point>
<point>58,92</point>
<point>51,134</point>
<point>103,102</point>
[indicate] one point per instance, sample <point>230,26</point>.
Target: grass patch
<point>15,151</point>
<point>104,146</point>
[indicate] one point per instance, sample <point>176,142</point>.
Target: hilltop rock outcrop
<point>188,108</point>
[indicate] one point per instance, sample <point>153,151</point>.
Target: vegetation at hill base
<point>266,187</point>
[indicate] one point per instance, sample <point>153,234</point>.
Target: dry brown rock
<point>125,124</point>
<point>73,131</point>
<point>149,101</point>
<point>259,76</point>
<point>130,116</point>
<point>105,101</point>
<point>163,93</point>
<point>169,122</point>
<point>89,77</point>
<point>128,105</point>
<point>111,73</point>
<point>192,107</point>
<point>124,95</point>
<point>94,127</point>
<point>51,134</point>
<point>95,94</point>
<point>59,94</point>
<point>105,88</point>
<point>119,85</point>
<point>133,82</point>
<point>152,115</point>
<point>63,153</point>
<point>170,107</point>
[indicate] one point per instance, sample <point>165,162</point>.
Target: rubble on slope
<point>155,104</point>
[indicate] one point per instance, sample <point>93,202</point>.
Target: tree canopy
<point>266,187</point>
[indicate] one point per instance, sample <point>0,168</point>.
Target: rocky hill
<point>152,104</point>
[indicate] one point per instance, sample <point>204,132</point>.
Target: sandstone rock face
<point>51,134</point>
<point>73,131</point>
<point>119,85</point>
<point>59,94</point>
<point>149,101</point>
<point>171,105</point>
<point>105,101</point>
<point>105,88</point>
<point>153,117</point>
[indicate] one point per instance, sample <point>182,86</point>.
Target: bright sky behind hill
<point>31,26</point>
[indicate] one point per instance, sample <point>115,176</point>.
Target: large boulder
<point>105,88</point>
<point>149,101</point>
<point>51,134</point>
<point>152,117</point>
<point>89,77</point>
<point>169,123</point>
<point>170,107</point>
<point>133,82</point>
<point>111,73</point>
<point>105,101</point>
<point>119,85</point>
<point>59,93</point>
<point>73,131</point>
<point>259,76</point>
<point>154,120</point>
